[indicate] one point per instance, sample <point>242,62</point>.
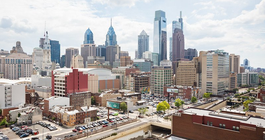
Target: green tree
<point>123,106</point>
<point>245,103</point>
<point>93,101</point>
<point>262,80</point>
<point>178,103</point>
<point>161,107</point>
<point>18,115</point>
<point>3,122</point>
<point>142,111</point>
<point>207,95</point>
<point>0,112</point>
<point>193,99</point>
<point>166,104</point>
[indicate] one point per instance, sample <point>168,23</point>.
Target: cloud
<point>5,23</point>
<point>128,3</point>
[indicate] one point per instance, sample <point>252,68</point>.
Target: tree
<point>166,104</point>
<point>178,103</point>
<point>161,107</point>
<point>18,115</point>
<point>193,99</point>
<point>207,95</point>
<point>3,122</point>
<point>245,103</point>
<point>123,106</point>
<point>262,80</point>
<point>142,111</point>
<point>0,112</point>
<point>93,101</point>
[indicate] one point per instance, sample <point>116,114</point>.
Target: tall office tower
<point>190,53</point>
<point>234,61</point>
<point>178,45</point>
<point>111,37</point>
<point>160,76</point>
<point>112,53</point>
<point>88,50</point>
<point>186,73</point>
<point>37,56</point>
<point>77,61</point>
<point>214,67</point>
<point>46,61</point>
<point>175,25</point>
<point>246,63</point>
<point>143,44</point>
<point>160,35</point>
<point>170,48</point>
<point>101,50</point>
<point>155,58</point>
<point>88,37</point>
<point>136,54</point>
<point>147,55</point>
<point>62,61</point>
<point>55,51</point>
<point>69,52</point>
<point>124,53</point>
<point>17,64</point>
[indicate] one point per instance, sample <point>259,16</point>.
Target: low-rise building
<point>248,78</point>
<point>53,101</point>
<point>182,92</point>
<point>261,94</point>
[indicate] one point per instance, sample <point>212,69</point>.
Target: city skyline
<point>207,25</point>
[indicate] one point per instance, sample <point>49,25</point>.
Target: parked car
<point>24,135</point>
<point>15,129</point>
<point>74,130</point>
<point>104,125</point>
<point>12,126</point>
<point>35,132</point>
<point>130,111</point>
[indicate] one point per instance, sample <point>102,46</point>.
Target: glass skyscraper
<point>143,44</point>
<point>111,37</point>
<point>175,25</point>
<point>160,35</point>
<point>55,51</point>
<point>88,37</point>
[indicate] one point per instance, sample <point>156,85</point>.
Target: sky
<point>235,26</point>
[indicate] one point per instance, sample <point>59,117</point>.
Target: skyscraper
<point>143,44</point>
<point>190,53</point>
<point>88,37</point>
<point>112,53</point>
<point>55,51</point>
<point>246,63</point>
<point>234,63</point>
<point>88,50</point>
<point>178,51</point>
<point>111,37</point>
<point>46,61</point>
<point>160,35</point>
<point>69,52</point>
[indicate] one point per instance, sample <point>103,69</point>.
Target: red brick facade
<point>261,95</point>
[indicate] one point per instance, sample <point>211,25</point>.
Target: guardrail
<point>85,133</point>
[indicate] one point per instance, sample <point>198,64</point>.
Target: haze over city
<point>236,27</point>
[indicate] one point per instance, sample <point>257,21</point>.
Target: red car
<point>74,130</point>
<point>104,125</point>
<point>35,132</point>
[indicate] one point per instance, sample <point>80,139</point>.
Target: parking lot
<point>37,129</point>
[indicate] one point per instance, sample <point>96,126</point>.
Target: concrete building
<point>54,101</point>
<point>62,61</point>
<point>160,77</point>
<point>248,78</point>
<point>17,64</point>
<point>143,65</point>
<point>155,59</point>
<point>125,61</point>
<point>103,97</point>
<point>216,125</point>
<point>232,81</point>
<point>37,57</point>
<point>88,50</point>
<point>214,68</point>
<point>186,73</point>
<point>143,44</point>
<point>93,59</point>
<point>139,81</point>
<point>124,53</point>
<point>11,95</point>
<point>261,94</point>
<point>124,72</point>
<point>77,61</point>
<point>147,55</point>
<point>112,53</point>
<point>234,63</point>
<point>79,99</point>
<point>167,63</point>
<point>190,53</point>
<point>69,53</point>
<point>38,80</point>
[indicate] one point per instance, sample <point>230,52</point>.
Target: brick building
<point>80,99</point>
<point>199,124</point>
<point>182,92</point>
<point>261,94</point>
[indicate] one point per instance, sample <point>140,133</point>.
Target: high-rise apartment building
<point>232,81</point>
<point>55,51</point>
<point>160,77</point>
<point>214,67</point>
<point>111,37</point>
<point>234,63</point>
<point>112,53</point>
<point>178,50</point>
<point>160,35</point>
<point>88,37</point>
<point>143,44</point>
<point>69,53</point>
<point>88,50</point>
<point>190,53</point>
<point>186,73</point>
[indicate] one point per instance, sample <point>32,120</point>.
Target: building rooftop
<point>260,122</point>
<point>19,81</point>
<point>72,112</point>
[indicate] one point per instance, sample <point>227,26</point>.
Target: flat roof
<point>260,122</point>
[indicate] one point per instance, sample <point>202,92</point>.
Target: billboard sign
<point>172,90</point>
<point>113,105</point>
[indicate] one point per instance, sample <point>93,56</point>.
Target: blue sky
<point>236,26</point>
